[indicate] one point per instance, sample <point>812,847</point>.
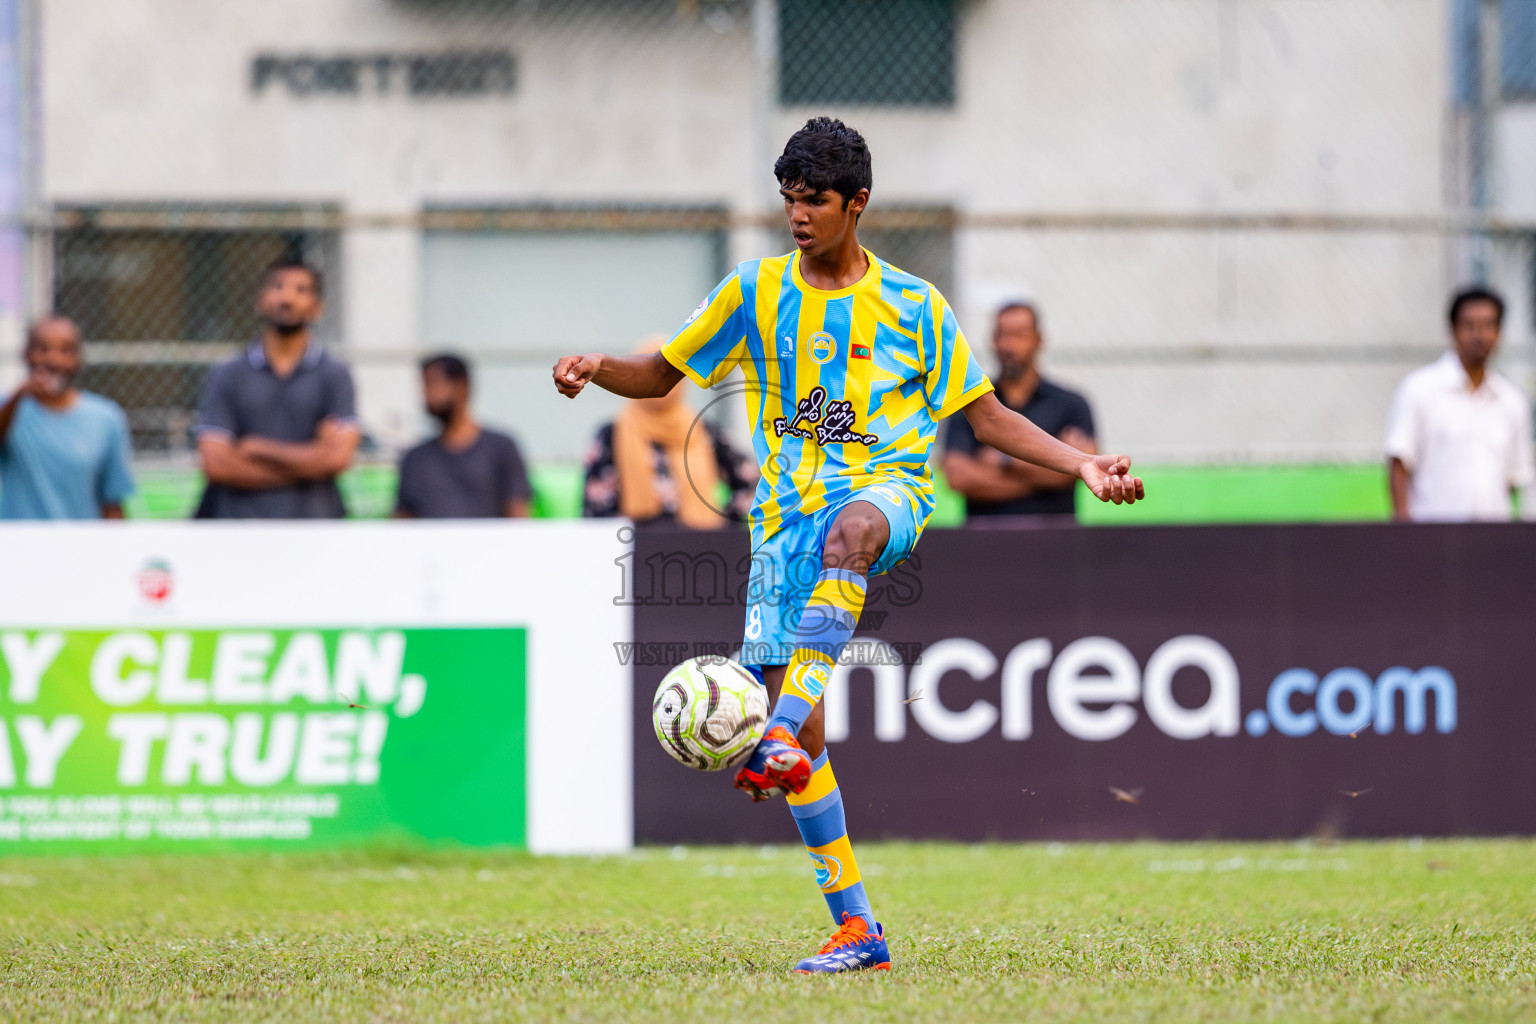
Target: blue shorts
<point>785,567</point>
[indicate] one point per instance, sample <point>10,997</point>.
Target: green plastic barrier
<point>1250,494</point>
<point>1177,494</point>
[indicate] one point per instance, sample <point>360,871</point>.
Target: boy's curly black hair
<point>826,154</point>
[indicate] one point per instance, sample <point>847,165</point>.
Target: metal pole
<point>765,101</point>
<point>1490,97</point>
<point>13,127</point>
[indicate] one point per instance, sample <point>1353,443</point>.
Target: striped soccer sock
<point>818,812</point>
<point>826,625</point>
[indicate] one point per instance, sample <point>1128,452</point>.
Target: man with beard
<point>63,451</point>
<point>466,471</point>
<point>279,422</point>
<point>995,484</point>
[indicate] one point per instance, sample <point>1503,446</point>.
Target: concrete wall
<point>1194,343</point>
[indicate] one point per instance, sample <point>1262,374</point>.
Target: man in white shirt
<point>1459,437</point>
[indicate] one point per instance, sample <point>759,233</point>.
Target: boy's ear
<point>857,201</point>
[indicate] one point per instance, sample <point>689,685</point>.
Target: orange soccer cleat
<point>777,763</point>
<point>853,947</point>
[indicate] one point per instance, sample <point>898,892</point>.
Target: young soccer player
<point>850,364</point>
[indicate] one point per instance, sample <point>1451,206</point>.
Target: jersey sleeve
<point>217,417</point>
<point>1082,416</point>
<point>713,340</point>
<point>1403,426</point>
<point>114,485</point>
<point>1522,463</point>
<point>952,377</point>
<point>515,485</point>
<point>341,396</point>
<point>407,487</point>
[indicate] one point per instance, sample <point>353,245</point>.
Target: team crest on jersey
<point>831,422</point>
<point>823,346</point>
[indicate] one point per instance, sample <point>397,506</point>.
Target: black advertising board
<point>1241,682</point>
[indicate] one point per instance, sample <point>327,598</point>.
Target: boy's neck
<point>842,267</point>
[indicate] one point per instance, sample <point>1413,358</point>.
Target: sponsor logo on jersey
<point>833,421</point>
<point>695,314</point>
<point>823,346</point>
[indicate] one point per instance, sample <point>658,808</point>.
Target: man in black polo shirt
<point>279,422</point>
<point>993,483</point>
<point>467,471</point>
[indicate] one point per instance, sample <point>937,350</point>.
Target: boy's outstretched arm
<point>1107,476</point>
<point>647,375</point>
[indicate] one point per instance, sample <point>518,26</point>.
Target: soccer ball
<point>709,713</point>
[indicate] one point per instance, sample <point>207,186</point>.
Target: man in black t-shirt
<point>279,420</point>
<point>993,483</point>
<point>466,472</point>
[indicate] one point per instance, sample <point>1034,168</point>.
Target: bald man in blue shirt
<point>64,452</point>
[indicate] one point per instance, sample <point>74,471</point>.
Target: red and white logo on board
<point>156,580</point>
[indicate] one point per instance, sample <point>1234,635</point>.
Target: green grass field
<point>1212,932</point>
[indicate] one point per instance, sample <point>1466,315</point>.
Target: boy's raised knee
<point>856,539</point>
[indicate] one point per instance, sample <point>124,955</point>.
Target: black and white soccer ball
<point>709,713</point>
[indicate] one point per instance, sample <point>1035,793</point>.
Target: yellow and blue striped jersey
<point>844,388</point>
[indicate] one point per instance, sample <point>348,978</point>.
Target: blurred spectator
<point>657,460</point>
<point>279,422</point>
<point>64,452</point>
<point>1459,437</point>
<point>993,483</point>
<point>466,471</point>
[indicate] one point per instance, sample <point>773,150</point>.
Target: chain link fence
<point>1241,218</point>
<point>163,295</point>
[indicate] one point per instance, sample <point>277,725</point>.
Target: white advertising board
<point>555,581</point>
